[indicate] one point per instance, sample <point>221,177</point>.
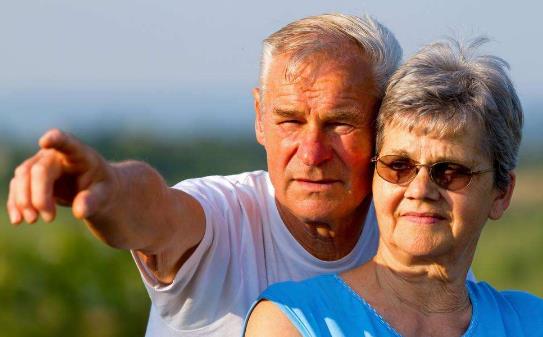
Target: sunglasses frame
<point>416,169</point>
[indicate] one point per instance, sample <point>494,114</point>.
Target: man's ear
<point>503,199</point>
<point>259,127</point>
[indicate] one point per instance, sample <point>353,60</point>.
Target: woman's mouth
<point>425,218</point>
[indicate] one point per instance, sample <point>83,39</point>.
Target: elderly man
<point>207,247</point>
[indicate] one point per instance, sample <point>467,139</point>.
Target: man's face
<point>318,135</point>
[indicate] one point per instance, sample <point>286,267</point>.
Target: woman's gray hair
<point>445,89</point>
<point>330,33</point>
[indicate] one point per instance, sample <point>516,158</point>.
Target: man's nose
<point>422,187</point>
<point>315,147</point>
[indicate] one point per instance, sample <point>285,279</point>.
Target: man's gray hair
<point>445,89</point>
<point>330,33</point>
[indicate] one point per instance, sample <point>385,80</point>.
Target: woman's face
<point>422,220</point>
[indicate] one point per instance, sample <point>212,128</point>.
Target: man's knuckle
<point>21,170</point>
<point>12,184</point>
<point>48,154</point>
<point>39,201</point>
<point>11,199</point>
<point>22,201</point>
<point>56,132</point>
<point>38,169</point>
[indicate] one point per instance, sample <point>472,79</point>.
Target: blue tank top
<point>325,306</point>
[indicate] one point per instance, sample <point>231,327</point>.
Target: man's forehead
<point>339,85</point>
<point>324,80</point>
<point>329,105</point>
<point>309,67</point>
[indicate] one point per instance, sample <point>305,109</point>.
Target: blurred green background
<point>58,280</point>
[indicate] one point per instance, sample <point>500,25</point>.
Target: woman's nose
<point>422,186</point>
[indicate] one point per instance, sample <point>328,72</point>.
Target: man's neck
<point>327,240</point>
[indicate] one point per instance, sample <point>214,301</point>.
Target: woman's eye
<point>451,169</point>
<point>400,165</point>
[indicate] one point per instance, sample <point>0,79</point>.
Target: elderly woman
<point>447,140</point>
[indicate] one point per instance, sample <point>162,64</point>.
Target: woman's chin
<point>422,247</point>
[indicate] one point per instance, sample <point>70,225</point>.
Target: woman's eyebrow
<point>398,152</point>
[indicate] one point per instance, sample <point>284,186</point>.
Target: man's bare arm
<point>127,205</point>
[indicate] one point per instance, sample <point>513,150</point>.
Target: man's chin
<point>315,208</point>
<point>315,212</point>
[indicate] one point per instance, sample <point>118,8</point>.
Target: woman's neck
<point>422,294</point>
<point>416,297</point>
<point>430,284</point>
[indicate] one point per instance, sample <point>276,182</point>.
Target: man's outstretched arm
<point>127,205</point>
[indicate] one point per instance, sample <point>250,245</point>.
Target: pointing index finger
<point>58,140</point>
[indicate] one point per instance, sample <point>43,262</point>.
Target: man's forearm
<point>144,214</point>
<point>130,218</point>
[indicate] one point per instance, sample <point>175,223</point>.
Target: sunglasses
<point>402,170</point>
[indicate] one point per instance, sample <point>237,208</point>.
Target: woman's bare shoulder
<point>267,320</point>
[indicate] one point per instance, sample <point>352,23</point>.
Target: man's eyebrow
<point>353,116</point>
<point>286,113</point>
<point>341,115</point>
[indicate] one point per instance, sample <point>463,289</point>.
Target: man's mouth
<point>316,184</point>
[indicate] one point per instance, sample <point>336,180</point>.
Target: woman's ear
<point>503,199</point>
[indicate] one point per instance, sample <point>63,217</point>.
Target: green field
<point>58,280</point>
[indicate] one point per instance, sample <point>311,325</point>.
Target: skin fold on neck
<point>417,297</point>
<point>327,240</point>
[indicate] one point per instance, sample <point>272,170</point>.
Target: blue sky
<point>179,65</point>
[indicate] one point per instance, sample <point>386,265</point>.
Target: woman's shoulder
<point>288,307</point>
<point>298,291</point>
<point>513,306</point>
<point>313,306</point>
<point>525,302</point>
<point>517,298</point>
<point>268,319</point>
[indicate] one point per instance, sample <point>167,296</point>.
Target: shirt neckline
<point>469,331</point>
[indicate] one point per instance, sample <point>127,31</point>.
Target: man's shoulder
<point>249,179</point>
<point>252,178</point>
<point>247,191</point>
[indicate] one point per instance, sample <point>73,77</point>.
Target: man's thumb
<point>89,202</point>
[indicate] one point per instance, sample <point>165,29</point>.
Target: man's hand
<point>127,205</point>
<point>63,171</point>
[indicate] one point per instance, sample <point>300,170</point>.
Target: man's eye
<point>341,128</point>
<point>289,125</point>
<point>290,122</point>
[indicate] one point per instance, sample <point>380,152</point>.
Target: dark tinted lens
<point>450,176</point>
<point>396,169</point>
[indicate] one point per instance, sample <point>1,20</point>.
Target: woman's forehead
<point>418,144</point>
